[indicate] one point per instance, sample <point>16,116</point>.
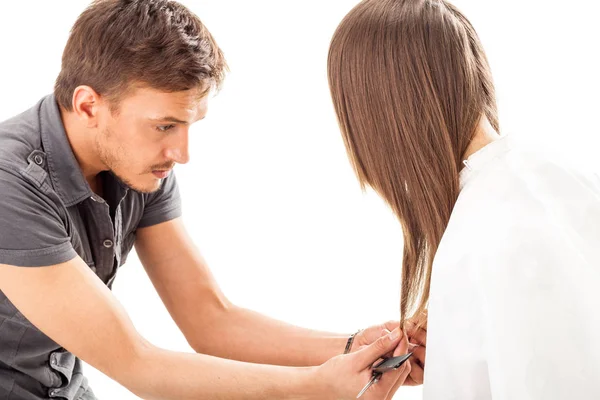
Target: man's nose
<point>179,151</point>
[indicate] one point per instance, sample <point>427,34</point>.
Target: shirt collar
<point>483,156</point>
<point>65,172</point>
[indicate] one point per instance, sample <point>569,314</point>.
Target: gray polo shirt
<point>49,215</point>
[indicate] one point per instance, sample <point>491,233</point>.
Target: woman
<point>501,244</point>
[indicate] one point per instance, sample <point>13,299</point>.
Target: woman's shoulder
<point>528,191</point>
<point>531,178</point>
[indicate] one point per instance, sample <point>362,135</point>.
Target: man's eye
<point>165,128</point>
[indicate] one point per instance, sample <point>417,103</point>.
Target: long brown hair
<point>410,82</point>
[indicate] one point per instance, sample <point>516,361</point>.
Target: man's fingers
<point>394,389</point>
<point>416,375</point>
<point>413,325</point>
<point>421,319</point>
<point>378,349</point>
<point>417,362</point>
<point>400,376</point>
<point>390,353</point>
<point>410,381</point>
<point>416,334</point>
<point>391,325</point>
<point>418,357</point>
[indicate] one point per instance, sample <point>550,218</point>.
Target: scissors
<point>384,366</point>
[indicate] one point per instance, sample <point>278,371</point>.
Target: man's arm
<point>210,322</point>
<point>74,308</point>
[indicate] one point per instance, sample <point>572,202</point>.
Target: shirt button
<point>108,243</point>
<point>38,159</point>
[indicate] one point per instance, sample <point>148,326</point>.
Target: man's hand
<point>416,329</point>
<point>343,377</point>
<point>417,337</point>
<point>371,334</point>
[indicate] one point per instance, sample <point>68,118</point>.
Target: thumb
<point>376,350</point>
<point>402,348</point>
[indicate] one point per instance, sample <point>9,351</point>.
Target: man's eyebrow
<point>170,119</point>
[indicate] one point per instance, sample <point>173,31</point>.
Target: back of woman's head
<point>410,83</point>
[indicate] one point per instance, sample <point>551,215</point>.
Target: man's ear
<point>86,103</point>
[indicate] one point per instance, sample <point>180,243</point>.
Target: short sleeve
<point>32,233</point>
<point>540,301</point>
<point>162,205</point>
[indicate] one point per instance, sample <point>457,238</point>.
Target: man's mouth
<point>161,174</point>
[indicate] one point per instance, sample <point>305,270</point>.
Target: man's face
<point>148,135</point>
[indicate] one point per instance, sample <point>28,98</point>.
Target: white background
<point>269,196</point>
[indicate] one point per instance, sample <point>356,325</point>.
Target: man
<point>87,173</point>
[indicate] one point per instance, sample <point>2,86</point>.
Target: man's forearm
<point>245,335</point>
<point>158,374</point>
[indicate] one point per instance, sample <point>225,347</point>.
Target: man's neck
<point>82,145</point>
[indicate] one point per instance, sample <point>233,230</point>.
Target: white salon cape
<point>514,309</point>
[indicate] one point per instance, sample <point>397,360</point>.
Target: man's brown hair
<point>115,44</point>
